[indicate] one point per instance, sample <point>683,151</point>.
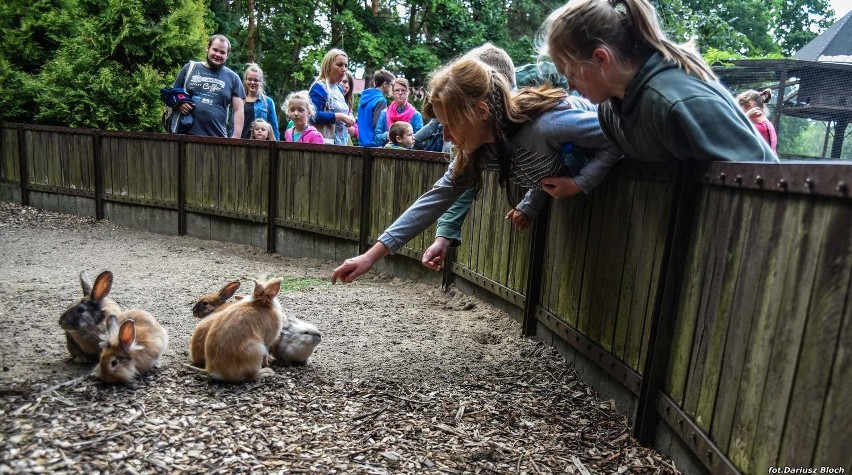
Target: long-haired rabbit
<point>205,306</point>
<point>132,348</point>
<point>297,342</point>
<point>83,322</point>
<point>238,342</point>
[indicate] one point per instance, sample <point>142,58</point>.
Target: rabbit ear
<point>86,283</point>
<point>111,336</point>
<point>228,290</point>
<point>258,289</point>
<point>103,284</point>
<point>127,334</point>
<point>272,288</point>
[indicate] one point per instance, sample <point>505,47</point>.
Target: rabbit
<point>239,338</point>
<point>84,323</point>
<point>205,306</point>
<point>209,303</point>
<point>296,343</point>
<point>294,346</point>
<point>132,348</point>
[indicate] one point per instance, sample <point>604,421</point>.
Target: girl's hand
<point>435,255</point>
<point>560,186</point>
<point>352,268</point>
<point>519,220</point>
<point>185,108</point>
<point>357,266</point>
<point>755,114</point>
<point>351,131</point>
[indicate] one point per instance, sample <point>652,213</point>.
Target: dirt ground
<point>406,380</point>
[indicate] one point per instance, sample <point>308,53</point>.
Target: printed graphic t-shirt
<point>212,92</point>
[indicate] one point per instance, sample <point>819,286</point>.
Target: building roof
<point>833,45</point>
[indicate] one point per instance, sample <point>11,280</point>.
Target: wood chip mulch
<point>536,417</point>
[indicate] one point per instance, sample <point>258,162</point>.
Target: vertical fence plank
<point>272,206</point>
<point>677,223</point>
<point>793,293</point>
<point>819,342</point>
<point>750,261</point>
<point>769,247</point>
<point>727,285</point>
<point>712,288</point>
<point>97,171</point>
<point>23,168</point>
<point>836,428</point>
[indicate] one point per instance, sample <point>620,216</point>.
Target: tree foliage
<point>101,63</point>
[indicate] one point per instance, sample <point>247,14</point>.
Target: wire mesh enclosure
<point>810,107</point>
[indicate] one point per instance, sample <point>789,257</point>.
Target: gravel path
<point>406,380</point>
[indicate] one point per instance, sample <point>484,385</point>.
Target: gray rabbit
<point>84,322</point>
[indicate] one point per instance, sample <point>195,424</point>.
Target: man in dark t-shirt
<point>213,87</point>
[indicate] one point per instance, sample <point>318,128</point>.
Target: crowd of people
<point>635,94</point>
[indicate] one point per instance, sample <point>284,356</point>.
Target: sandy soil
<point>448,367</point>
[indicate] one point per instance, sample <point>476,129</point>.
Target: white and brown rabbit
<point>205,306</point>
<point>132,348</point>
<point>240,335</point>
<point>84,322</point>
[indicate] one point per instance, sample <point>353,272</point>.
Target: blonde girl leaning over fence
<point>658,101</point>
<point>520,136</point>
<point>262,130</point>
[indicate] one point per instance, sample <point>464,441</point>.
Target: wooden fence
<point>716,295</point>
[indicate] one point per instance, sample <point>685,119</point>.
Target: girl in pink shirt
<point>752,103</point>
<point>300,108</point>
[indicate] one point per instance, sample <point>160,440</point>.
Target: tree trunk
<point>251,31</point>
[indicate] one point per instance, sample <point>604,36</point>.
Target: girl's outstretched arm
<point>357,266</point>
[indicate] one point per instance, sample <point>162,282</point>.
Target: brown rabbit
<point>84,323</point>
<point>205,306</point>
<point>133,348</point>
<point>238,342</point>
<point>210,303</point>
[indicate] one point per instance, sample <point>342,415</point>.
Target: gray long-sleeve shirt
<point>536,153</point>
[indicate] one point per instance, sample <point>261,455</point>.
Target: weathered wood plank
<point>698,260</point>
<point>574,270</point>
<point>586,323</point>
<point>793,292</point>
<point>716,348</point>
<point>755,233</point>
<point>819,344</point>
<point>770,244</point>
<point>836,427</point>
<point>617,235</point>
<point>711,289</point>
<point>642,222</point>
<point>554,255</point>
<point>661,204</point>
<point>632,229</point>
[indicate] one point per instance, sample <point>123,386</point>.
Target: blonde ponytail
<point>628,28</point>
